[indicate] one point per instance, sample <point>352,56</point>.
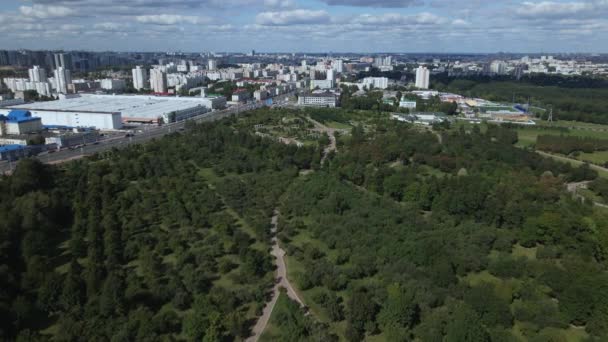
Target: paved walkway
<point>281,281</point>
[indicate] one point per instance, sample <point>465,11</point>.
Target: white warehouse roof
<point>130,106</point>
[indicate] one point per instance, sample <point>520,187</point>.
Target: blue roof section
<point>7,148</point>
<point>20,115</point>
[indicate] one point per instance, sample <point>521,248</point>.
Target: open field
<point>600,170</point>
<point>599,157</point>
<point>527,136</point>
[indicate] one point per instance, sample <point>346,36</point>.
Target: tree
<point>361,311</point>
<point>73,287</point>
<point>112,299</point>
<point>465,326</point>
<point>400,309</point>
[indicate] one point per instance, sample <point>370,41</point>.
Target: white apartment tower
<point>37,74</point>
<point>330,75</point>
<point>212,64</point>
<point>338,65</point>
<point>140,77</point>
<point>62,60</point>
<point>422,77</point>
<point>158,81</point>
<point>63,78</point>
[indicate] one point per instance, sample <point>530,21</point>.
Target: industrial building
<point>109,112</point>
<point>14,152</point>
<point>19,122</point>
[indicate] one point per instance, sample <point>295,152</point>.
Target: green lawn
<point>337,125</point>
<point>527,136</point>
<point>600,171</point>
<point>519,251</point>
<point>599,157</point>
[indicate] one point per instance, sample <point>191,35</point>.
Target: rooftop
<point>140,106</point>
<point>7,148</point>
<point>18,115</point>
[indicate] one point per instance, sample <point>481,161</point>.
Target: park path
<point>319,127</point>
<point>281,281</point>
<point>572,161</point>
<point>574,187</point>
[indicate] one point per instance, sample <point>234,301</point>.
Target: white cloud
<point>460,22</point>
<point>386,19</point>
<point>171,19</point>
<point>110,26</point>
<point>293,17</point>
<point>374,3</point>
<point>552,9</point>
<point>279,3</point>
<point>45,12</point>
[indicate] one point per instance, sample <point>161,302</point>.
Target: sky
<point>366,26</point>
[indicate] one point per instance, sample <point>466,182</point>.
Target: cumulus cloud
<point>557,10</point>
<point>424,18</point>
<point>279,3</point>
<point>46,11</point>
<point>171,19</point>
<point>552,9</point>
<point>110,26</point>
<point>292,17</point>
<point>374,3</point>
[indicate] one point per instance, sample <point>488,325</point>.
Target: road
<point>148,134</point>
<point>281,282</point>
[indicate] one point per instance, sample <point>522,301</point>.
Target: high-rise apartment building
<point>212,64</point>
<point>338,65</point>
<point>422,77</point>
<point>62,60</point>
<point>63,78</point>
<point>140,78</point>
<point>158,81</point>
<point>37,74</point>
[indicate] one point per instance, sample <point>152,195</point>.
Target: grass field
<point>527,136</point>
<point>272,332</point>
<point>600,171</point>
<point>337,125</point>
<point>599,157</point>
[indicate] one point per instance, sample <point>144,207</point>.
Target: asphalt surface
<point>146,135</point>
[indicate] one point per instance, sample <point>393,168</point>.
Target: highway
<point>64,155</point>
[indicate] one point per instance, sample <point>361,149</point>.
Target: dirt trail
<point>333,146</point>
<point>280,281</point>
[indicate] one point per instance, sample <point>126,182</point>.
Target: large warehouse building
<point>109,112</point>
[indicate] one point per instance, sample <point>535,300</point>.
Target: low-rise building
<point>19,122</point>
<point>407,104</point>
<point>325,99</point>
<point>421,118</point>
<point>240,95</point>
<point>74,139</point>
<point>260,95</point>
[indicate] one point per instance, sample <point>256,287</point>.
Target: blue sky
<point>307,25</point>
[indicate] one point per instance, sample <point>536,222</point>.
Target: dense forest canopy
<point>403,234</point>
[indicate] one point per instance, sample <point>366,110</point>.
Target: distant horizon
<point>56,50</point>
<point>307,25</point>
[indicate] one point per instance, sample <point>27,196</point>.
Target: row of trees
<point>568,144</point>
<point>162,241</point>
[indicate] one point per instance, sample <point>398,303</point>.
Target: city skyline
<point>470,26</point>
